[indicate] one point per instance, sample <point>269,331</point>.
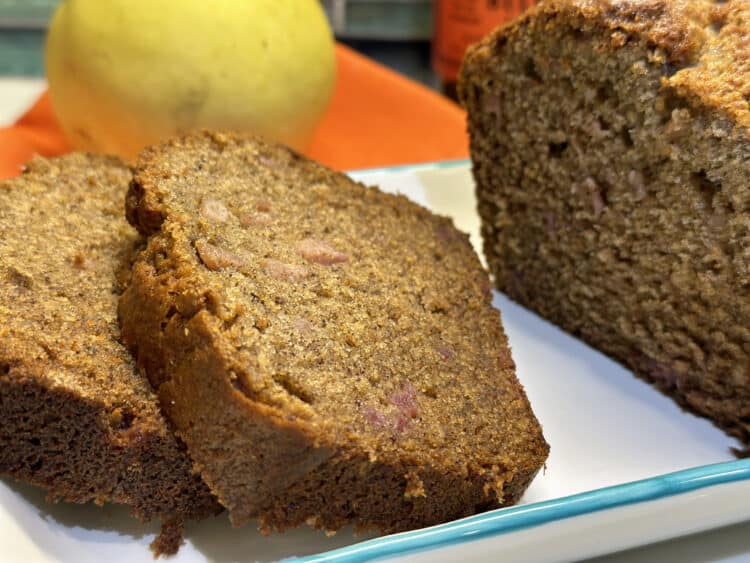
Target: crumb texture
<point>77,417</point>
<point>610,145</point>
<point>328,352</point>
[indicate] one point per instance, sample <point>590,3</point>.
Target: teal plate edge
<point>411,167</point>
<point>514,518</point>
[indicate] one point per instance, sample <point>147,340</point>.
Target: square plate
<point>627,466</point>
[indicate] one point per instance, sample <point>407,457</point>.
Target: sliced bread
<point>77,417</point>
<point>329,353</point>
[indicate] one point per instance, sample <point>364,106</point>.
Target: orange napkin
<point>376,118</point>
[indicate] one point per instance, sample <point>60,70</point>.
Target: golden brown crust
<point>315,339</point>
<point>610,145</point>
<point>78,418</point>
<point>702,43</point>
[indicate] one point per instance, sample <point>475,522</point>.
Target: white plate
<point>606,429</point>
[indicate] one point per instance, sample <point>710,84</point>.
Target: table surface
<point>727,545</point>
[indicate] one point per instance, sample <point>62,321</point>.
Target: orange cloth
<point>35,132</point>
<point>376,118</point>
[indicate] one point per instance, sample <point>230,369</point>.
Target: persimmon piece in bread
<point>76,417</point>
<point>610,147</point>
<point>328,352</point>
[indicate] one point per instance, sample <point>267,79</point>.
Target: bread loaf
<point>610,149</point>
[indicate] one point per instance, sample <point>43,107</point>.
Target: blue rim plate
<point>599,493</point>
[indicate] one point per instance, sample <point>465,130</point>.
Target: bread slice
<point>610,148</point>
<point>77,418</point>
<point>328,352</point>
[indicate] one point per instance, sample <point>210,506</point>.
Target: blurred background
<point>396,33</point>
